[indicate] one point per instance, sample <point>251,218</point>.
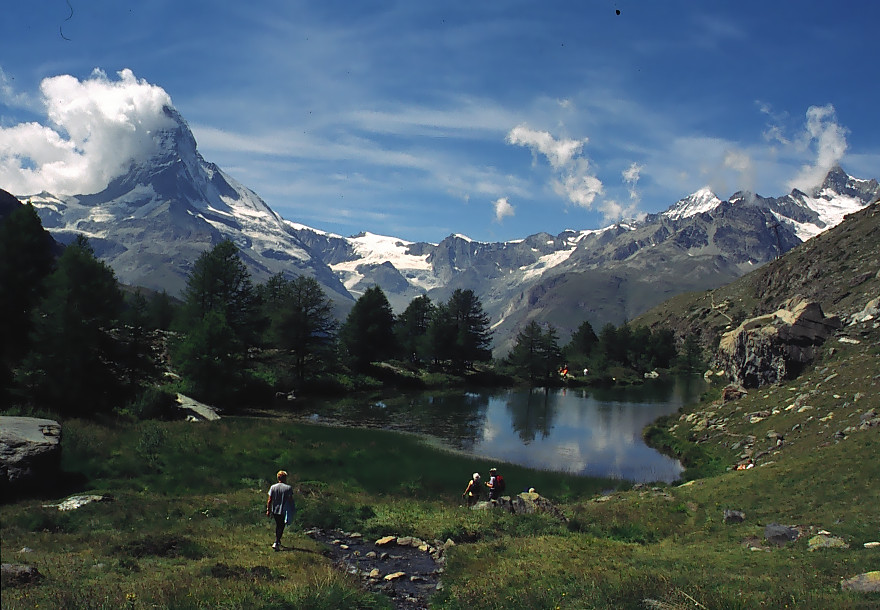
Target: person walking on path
<point>280,506</point>
<point>472,491</point>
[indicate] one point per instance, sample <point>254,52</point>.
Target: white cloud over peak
<point>828,138</point>
<point>502,208</point>
<point>96,127</point>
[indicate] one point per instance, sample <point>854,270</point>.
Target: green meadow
<point>186,525</point>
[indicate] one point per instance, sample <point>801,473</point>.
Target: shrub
<point>153,403</point>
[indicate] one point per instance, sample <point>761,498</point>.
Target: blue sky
<point>492,119</point>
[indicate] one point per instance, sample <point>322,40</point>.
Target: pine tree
<point>220,281</point>
<point>580,346</point>
<point>300,321</point>
<point>71,366</point>
<point>220,319</point>
<point>536,354</point>
<point>26,259</point>
<point>459,331</point>
<point>209,357</point>
<point>367,335</point>
<point>526,355</point>
<point>411,329</point>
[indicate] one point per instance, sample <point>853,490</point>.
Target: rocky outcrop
<point>30,453</point>
<point>774,347</point>
<point>525,503</point>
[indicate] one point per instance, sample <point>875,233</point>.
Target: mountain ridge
<point>151,223</point>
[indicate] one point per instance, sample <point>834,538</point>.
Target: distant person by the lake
<point>472,491</point>
<point>496,485</point>
<point>280,506</point>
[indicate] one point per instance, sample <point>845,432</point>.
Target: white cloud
<point>502,208</point>
<point>631,177</point>
<point>573,178</point>
<point>560,153</point>
<point>829,139</point>
<point>96,127</point>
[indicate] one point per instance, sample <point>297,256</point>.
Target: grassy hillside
<point>840,269</point>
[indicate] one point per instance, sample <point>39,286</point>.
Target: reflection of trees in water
<point>531,412</point>
<point>458,418</point>
<point>681,390</point>
<point>455,417</point>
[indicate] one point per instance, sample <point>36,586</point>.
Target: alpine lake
<point>594,432</point>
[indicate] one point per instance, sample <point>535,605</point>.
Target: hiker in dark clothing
<point>472,491</point>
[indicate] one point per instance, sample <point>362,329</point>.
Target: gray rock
<point>774,347</point>
<point>525,503</point>
<point>870,312</point>
<point>734,516</point>
<point>869,582</point>
<point>18,575</point>
<point>30,452</point>
<point>825,541</point>
<point>780,535</point>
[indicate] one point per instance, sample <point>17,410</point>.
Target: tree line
<point>75,342</point>
<point>538,356</point>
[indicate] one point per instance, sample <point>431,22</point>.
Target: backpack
<point>499,484</point>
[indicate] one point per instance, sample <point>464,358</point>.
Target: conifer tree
<point>26,259</point>
<point>459,331</point>
<point>411,329</point>
<point>367,335</point>
<point>220,320</point>
<point>220,281</point>
<point>71,366</point>
<point>300,321</point>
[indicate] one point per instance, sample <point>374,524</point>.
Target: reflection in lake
<point>595,432</point>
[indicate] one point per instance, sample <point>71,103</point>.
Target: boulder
<point>780,535</point>
<point>870,312</point>
<point>525,503</point>
<point>825,541</point>
<point>869,582</point>
<point>30,453</point>
<point>734,516</point>
<point>774,347</point>
<point>17,575</point>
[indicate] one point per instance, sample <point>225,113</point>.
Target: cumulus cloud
<point>502,208</point>
<point>95,128</point>
<point>560,153</point>
<point>573,177</point>
<point>827,139</point>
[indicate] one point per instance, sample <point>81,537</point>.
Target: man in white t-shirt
<point>280,506</point>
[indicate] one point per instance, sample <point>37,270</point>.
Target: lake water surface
<point>593,432</point>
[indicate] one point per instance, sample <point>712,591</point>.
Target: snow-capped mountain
<point>153,222</point>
